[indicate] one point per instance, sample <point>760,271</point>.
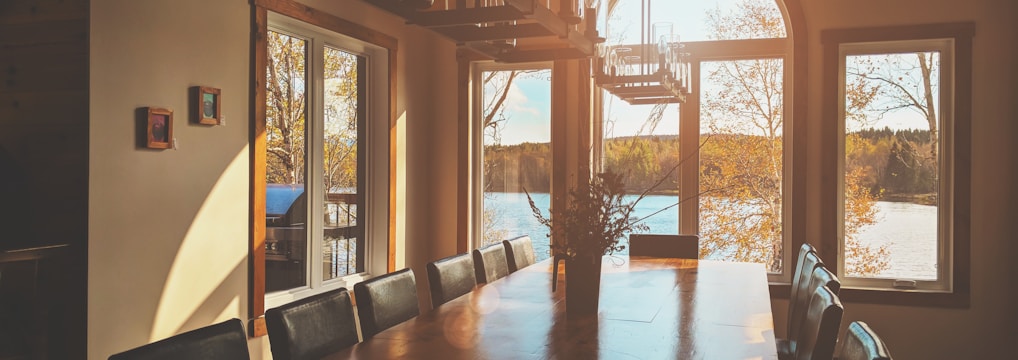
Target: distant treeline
<point>895,163</point>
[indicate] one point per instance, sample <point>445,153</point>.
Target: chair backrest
<point>801,292</point>
<point>821,277</point>
<point>861,343</point>
<point>450,277</point>
<point>519,252</point>
<point>386,300</point>
<point>312,327</point>
<point>490,263</point>
<point>667,246</point>
<point>819,332</point>
<point>225,340</point>
<point>797,272</point>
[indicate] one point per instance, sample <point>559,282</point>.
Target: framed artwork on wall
<point>159,128</point>
<point>208,105</point>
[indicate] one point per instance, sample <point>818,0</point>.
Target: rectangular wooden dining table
<point>650,308</point>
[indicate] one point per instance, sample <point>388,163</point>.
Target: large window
<point>321,158</point>
<point>724,157</point>
<point>723,152</point>
<point>324,151</point>
<point>902,155</point>
<point>515,139</point>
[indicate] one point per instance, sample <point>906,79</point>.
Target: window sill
<point>957,299</point>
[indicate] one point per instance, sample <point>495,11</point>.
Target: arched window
<point>730,141</point>
<point>724,153</point>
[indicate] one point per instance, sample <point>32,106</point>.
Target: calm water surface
<point>908,230</point>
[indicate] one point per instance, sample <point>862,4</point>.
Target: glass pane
<point>741,161</point>
<point>286,234</point>
<point>698,20</point>
<point>891,165</point>
<point>341,163</point>
<point>641,143</point>
<point>517,154</point>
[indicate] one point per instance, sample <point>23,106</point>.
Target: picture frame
<point>159,128</point>
<point>208,105</point>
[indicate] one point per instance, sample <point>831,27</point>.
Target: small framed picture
<point>208,105</point>
<point>159,128</point>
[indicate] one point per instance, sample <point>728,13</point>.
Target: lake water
<point>907,229</point>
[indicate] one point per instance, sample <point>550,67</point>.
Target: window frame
<point>689,136</point>
<point>477,69</point>
<point>788,48</point>
<point>952,287</point>
<point>318,40</point>
<point>793,48</point>
<point>289,17</point>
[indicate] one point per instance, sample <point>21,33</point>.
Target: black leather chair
<point>819,332</point>
<point>861,343</point>
<point>519,252</point>
<point>313,327</point>
<point>820,277</point>
<point>450,277</point>
<point>823,277</point>
<point>225,340</point>
<point>386,300</point>
<point>798,301</point>
<point>490,263</point>
<point>799,274</point>
<point>667,246</point>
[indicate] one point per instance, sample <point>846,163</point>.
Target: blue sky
<point>528,106</point>
<point>529,102</point>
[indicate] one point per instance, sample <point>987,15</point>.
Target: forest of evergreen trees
<point>897,164</point>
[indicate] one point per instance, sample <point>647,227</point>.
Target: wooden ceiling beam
<point>518,56</point>
<point>653,101</point>
<point>522,19</point>
<point>472,33</point>
<point>442,18</point>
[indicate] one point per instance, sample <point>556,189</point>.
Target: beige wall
<point>985,329</point>
<point>168,229</point>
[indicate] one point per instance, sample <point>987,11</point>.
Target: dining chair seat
<point>862,343</point>
<point>519,252</point>
<point>226,340</point>
<point>666,246</point>
<point>386,300</point>
<point>450,277</point>
<point>312,327</point>
<point>490,263</point>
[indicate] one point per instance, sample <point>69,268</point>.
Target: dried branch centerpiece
<point>595,219</point>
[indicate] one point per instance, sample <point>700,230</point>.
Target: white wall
<point>986,328</point>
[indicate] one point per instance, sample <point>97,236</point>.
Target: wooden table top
<point>650,308</point>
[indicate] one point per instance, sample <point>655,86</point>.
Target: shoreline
<point>920,199</point>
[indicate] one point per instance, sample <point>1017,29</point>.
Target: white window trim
<point>376,231</point>
<point>945,207</point>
